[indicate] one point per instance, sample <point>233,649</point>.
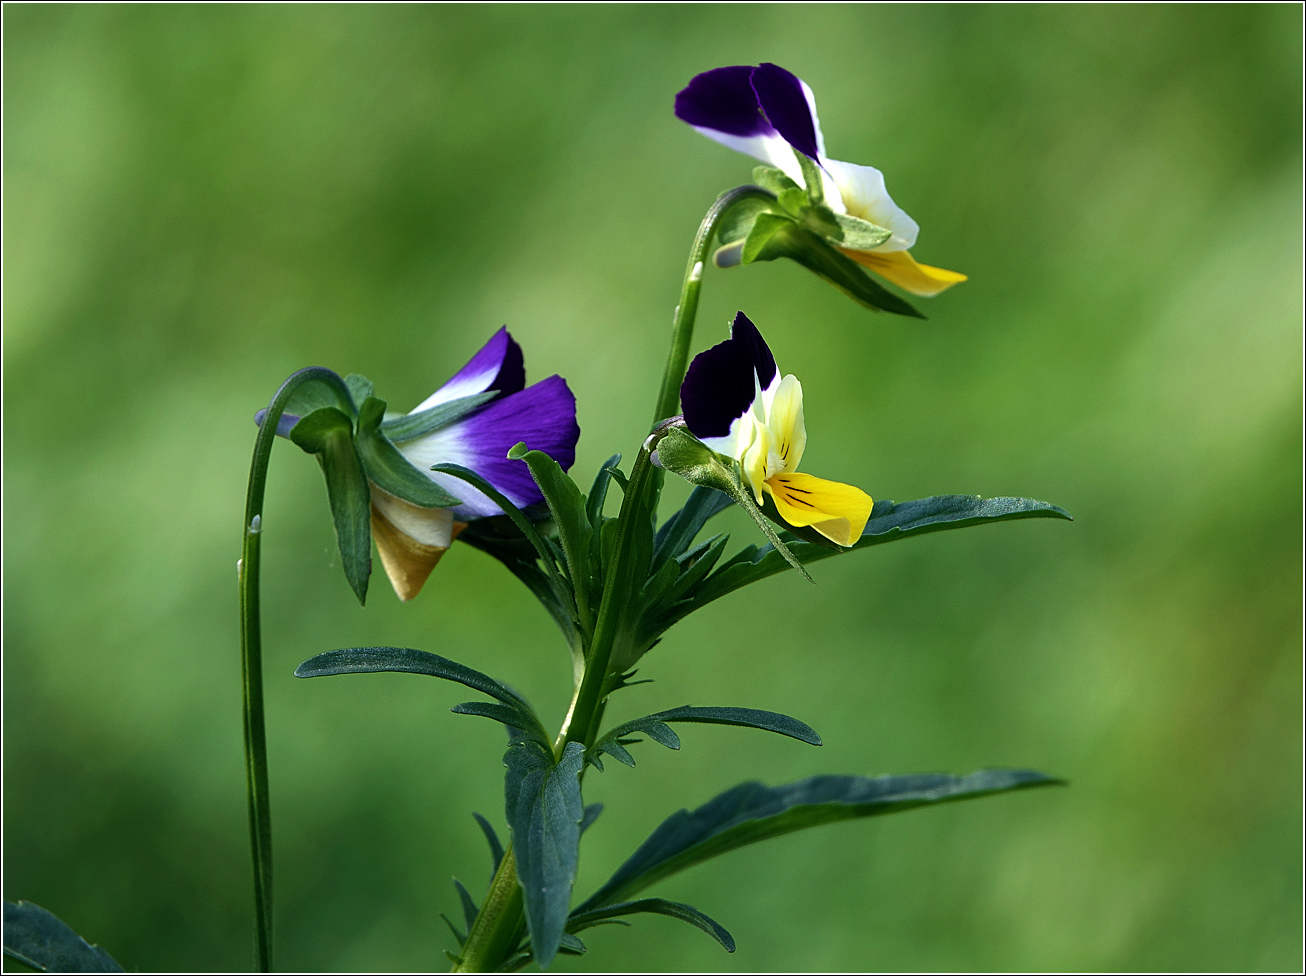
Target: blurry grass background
<point>200,200</point>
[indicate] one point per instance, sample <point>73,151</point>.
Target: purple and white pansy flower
<point>769,113</point>
<point>411,539</point>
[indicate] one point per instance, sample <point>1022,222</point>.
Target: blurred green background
<point>200,200</point>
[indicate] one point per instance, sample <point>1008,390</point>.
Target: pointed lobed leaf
<point>328,433</point>
<point>752,812</point>
<point>567,505</point>
<point>599,491</point>
<point>679,531</point>
<point>491,838</point>
<point>580,921</point>
<point>43,941</point>
<point>469,906</point>
<point>655,727</point>
<point>543,804</point>
<point>888,522</point>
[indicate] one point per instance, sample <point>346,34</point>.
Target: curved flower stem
<point>251,655</point>
<point>682,325</point>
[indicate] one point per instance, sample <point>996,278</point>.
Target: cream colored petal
<point>864,195</point>
<point>428,526</point>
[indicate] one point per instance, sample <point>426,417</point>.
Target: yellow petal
<point>901,268</point>
<point>408,561</point>
<point>837,511</point>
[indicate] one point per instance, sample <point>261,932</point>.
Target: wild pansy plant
<point>484,461</point>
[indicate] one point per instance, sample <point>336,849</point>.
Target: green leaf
<point>510,715</point>
<point>858,234</point>
<point>655,727</point>
<point>570,945</point>
<point>328,433</point>
<point>795,200</point>
<point>753,812</point>
<point>407,660</point>
<point>470,908</point>
<point>543,804</point>
<point>435,418</point>
<point>569,514</point>
<point>360,388</point>
<point>491,838</point>
<point>388,467</point>
<point>888,522</point>
<point>590,815</point>
<point>599,491</point>
<point>316,394</point>
<point>580,921</point>
<point>677,532</point>
<point>681,452</point>
<point>781,238</point>
<point>45,942</point>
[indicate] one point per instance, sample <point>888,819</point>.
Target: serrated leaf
<point>580,921</point>
<point>491,838</point>
<point>753,812</point>
<point>328,433</point>
<point>889,521</point>
<point>679,531</point>
<point>43,941</point>
<point>389,468</point>
<point>542,801</point>
<point>407,660</point>
<point>438,417</point>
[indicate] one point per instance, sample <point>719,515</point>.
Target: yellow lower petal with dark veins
<point>901,268</point>
<point>837,511</point>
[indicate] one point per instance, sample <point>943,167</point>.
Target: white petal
<point>864,195</point>
<point>448,446</point>
<point>429,526</point>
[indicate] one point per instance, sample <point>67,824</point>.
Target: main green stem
<point>501,922</point>
<point>251,657</point>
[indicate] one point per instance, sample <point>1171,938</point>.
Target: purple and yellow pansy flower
<point>411,539</point>
<point>770,114</point>
<point>736,402</point>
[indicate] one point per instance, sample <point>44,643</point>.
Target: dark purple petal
<point>722,382</point>
<point>498,366</point>
<point>781,96</point>
<point>542,415</point>
<point>722,99</point>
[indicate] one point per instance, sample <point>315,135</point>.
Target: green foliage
<point>492,838</point>
<point>360,388</point>
<point>579,920</point>
<point>655,727</point>
<point>328,433</point>
<point>752,812</point>
<point>45,942</point>
<point>544,808</point>
<point>515,711</point>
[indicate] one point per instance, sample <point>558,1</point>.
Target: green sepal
<point>360,388</point>
<point>435,418</point>
<point>773,179</point>
<point>407,660</point>
<point>42,940</point>
<point>858,234</point>
<point>316,394</point>
<point>386,466</point>
<point>681,452</point>
<point>328,433</point>
<point>580,921</point>
<point>774,237</point>
<point>543,804</point>
<point>752,812</point>
<point>811,177</point>
<point>795,200</point>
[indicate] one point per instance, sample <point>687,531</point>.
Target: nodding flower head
<point>412,539</point>
<point>769,113</point>
<point>737,403</point>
